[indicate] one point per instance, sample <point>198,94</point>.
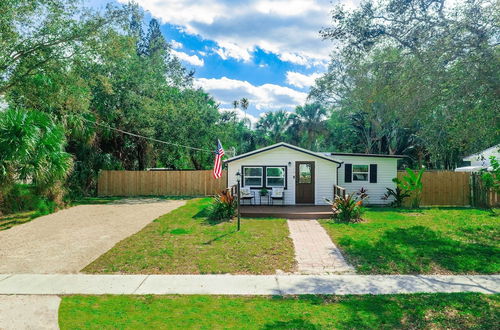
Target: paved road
<point>67,241</point>
<point>44,284</point>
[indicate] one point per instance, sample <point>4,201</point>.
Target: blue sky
<point>268,51</point>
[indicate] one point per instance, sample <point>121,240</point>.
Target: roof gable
<point>286,145</point>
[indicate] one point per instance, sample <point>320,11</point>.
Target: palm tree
<point>244,105</point>
<point>31,148</point>
<point>309,119</point>
<point>236,103</point>
<point>274,125</point>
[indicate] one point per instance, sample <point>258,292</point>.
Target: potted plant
<point>263,192</point>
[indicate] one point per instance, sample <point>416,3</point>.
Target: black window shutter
<point>348,173</point>
<point>373,173</point>
<point>242,183</point>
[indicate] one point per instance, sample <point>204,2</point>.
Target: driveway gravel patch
<point>67,241</point>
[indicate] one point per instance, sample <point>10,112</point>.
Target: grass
<point>11,220</point>
<point>426,241</point>
<point>183,242</point>
<point>415,311</point>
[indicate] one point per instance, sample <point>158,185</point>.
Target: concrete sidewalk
<point>60,284</point>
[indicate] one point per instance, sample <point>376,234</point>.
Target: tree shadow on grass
<point>203,213</point>
<point>410,311</point>
<point>215,239</point>
<point>291,324</point>
<point>419,249</point>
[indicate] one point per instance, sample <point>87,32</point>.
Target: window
<point>252,176</point>
<point>275,177</point>
<point>359,172</point>
<point>305,175</point>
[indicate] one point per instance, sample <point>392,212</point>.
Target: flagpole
<point>238,202</point>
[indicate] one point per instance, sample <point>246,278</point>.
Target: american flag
<point>218,160</point>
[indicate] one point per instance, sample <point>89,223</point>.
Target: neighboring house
<point>308,177</point>
<point>479,161</point>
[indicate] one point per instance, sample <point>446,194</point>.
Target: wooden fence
<point>439,187</point>
<point>454,188</point>
<point>444,188</point>
<point>150,183</point>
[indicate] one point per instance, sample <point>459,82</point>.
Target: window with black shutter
<point>373,173</point>
<point>348,173</point>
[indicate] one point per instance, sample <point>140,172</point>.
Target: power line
<point>145,137</point>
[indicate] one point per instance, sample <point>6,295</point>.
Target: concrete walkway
<point>60,284</point>
<point>68,240</point>
<point>314,250</point>
<point>29,312</point>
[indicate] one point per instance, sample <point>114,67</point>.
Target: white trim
<point>286,145</point>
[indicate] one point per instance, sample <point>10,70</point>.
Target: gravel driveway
<point>67,241</point>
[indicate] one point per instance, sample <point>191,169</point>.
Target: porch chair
<point>278,194</point>
<point>247,194</point>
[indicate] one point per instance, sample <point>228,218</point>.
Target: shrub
<point>412,182</point>
<point>45,207</point>
<point>24,197</point>
<point>20,197</point>
<point>491,176</point>
<point>349,208</point>
<point>399,194</point>
<point>223,208</point>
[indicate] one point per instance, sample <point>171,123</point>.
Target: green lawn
<point>11,220</point>
<point>183,242</point>
<point>416,311</point>
<point>430,241</point>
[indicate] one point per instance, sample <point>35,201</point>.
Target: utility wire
<point>145,137</point>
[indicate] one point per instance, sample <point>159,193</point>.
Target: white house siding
<point>325,171</point>
<point>386,171</point>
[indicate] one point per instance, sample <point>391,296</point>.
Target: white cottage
<point>308,177</point>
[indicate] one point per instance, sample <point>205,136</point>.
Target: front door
<point>304,182</point>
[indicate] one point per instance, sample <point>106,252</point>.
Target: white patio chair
<point>247,194</point>
<point>278,194</point>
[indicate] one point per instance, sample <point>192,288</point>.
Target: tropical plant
<point>412,183</point>
<point>491,177</point>
<point>348,208</point>
<point>399,194</point>
<point>32,150</point>
<point>223,207</point>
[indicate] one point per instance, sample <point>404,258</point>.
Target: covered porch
<point>286,211</point>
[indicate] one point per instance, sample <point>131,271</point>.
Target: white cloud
<point>286,7</point>
<point>287,28</point>
<point>301,80</point>
<point>263,98</point>
<point>191,59</point>
<point>176,45</point>
<point>228,49</point>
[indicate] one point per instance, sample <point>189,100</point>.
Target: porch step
<point>287,211</point>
